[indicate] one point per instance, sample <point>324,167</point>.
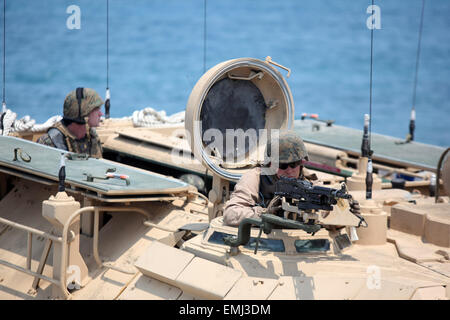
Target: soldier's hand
<point>354,207</point>
<point>273,209</point>
<point>274,206</point>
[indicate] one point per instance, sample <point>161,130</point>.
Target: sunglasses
<point>284,166</point>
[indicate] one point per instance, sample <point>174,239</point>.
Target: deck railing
<point>65,239</point>
<point>30,231</point>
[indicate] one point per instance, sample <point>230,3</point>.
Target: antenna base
<point>358,181</point>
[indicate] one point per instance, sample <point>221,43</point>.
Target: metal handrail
<point>64,240</point>
<point>96,230</point>
<point>41,276</point>
<point>30,231</point>
<point>95,240</point>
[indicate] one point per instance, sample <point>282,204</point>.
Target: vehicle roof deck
<point>385,148</point>
<point>45,163</point>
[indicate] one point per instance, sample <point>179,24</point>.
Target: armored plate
<point>45,163</point>
<point>231,112</point>
<point>385,148</point>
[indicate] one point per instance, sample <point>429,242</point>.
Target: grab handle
<point>269,60</point>
<point>251,76</point>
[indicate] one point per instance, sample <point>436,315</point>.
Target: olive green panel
<point>45,162</point>
<point>385,148</point>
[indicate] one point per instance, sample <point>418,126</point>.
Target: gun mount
<point>267,222</point>
<point>308,199</point>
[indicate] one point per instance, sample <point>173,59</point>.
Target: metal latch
<point>20,153</point>
<point>108,175</point>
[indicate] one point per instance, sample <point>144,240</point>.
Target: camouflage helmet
<point>291,148</point>
<point>90,100</point>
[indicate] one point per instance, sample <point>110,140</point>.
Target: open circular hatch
<point>232,111</point>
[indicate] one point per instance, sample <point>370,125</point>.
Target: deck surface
<point>385,148</point>
<point>45,162</point>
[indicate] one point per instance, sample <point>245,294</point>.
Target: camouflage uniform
<point>254,190</point>
<point>58,136</point>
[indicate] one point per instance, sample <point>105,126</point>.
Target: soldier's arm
<point>53,138</point>
<point>45,140</point>
<point>96,150</point>
<point>243,201</point>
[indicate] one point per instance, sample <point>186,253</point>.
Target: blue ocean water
<point>157,55</point>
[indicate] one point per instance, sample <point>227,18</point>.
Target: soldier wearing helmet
<point>256,187</point>
<point>75,132</point>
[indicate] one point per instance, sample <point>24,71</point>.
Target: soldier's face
<point>290,172</point>
<point>94,117</point>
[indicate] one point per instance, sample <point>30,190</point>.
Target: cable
<point>200,195</point>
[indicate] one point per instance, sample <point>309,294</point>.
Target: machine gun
<point>310,197</point>
<point>307,199</point>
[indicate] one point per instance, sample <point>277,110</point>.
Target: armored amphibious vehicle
<point>147,235</point>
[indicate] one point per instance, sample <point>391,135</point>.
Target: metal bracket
<point>77,156</point>
<point>108,175</point>
<point>251,76</point>
<point>20,152</point>
<point>266,223</point>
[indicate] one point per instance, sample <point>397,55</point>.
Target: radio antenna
<point>369,176</point>
<point>412,120</point>
<point>107,95</point>
<point>4,58</point>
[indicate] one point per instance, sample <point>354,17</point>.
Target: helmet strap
<point>80,96</point>
<point>88,134</point>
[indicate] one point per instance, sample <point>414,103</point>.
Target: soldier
<point>75,132</point>
<point>254,190</point>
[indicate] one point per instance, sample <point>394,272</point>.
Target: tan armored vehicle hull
<point>158,238</point>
